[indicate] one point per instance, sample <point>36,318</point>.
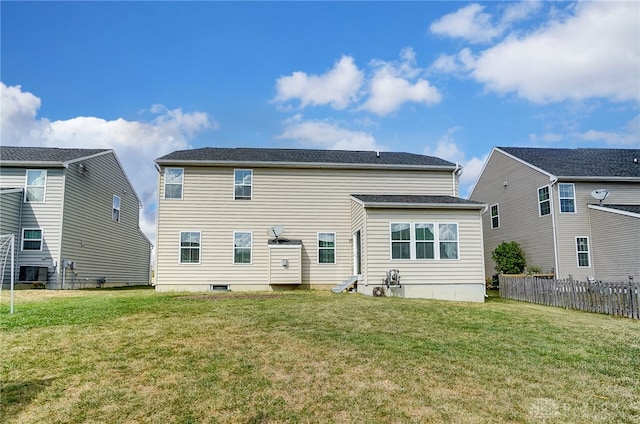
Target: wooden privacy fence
<point>620,299</point>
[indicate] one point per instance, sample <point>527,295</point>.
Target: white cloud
<point>446,148</point>
<point>595,52</point>
<point>338,87</point>
<point>626,137</point>
<point>136,143</point>
<point>391,85</point>
<point>469,23</point>
<point>326,135</point>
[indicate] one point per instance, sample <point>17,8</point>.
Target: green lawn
<point>135,356</point>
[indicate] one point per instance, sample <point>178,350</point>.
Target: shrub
<point>509,258</point>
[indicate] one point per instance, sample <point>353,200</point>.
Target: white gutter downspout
<point>554,180</point>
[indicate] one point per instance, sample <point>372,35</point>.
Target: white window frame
<point>496,216</point>
<point>319,248</point>
<point>573,198</point>
<point>181,183</point>
<point>250,247</point>
<point>437,242</point>
<point>27,186</point>
<point>198,248</point>
<point>41,239</point>
<point>588,252</point>
<point>392,241</point>
<point>242,184</point>
<point>542,201</point>
<point>116,217</point>
<point>415,241</point>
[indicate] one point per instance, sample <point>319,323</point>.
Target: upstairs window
<point>582,248</point>
<point>190,247</point>
<point>173,182</point>
<point>243,181</point>
<point>327,248</point>
<point>425,241</point>
<point>115,210</point>
<point>495,217</point>
<point>567,198</point>
<point>400,241</point>
<point>32,239</point>
<point>544,201</point>
<point>242,248</point>
<point>36,184</point>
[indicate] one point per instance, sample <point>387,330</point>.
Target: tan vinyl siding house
<point>217,205</point>
<point>543,199</point>
<point>80,222</point>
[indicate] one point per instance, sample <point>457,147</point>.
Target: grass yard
<point>136,356</point>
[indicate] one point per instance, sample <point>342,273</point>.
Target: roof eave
<point>405,205</point>
<point>328,165</point>
<point>599,179</point>
<point>604,208</point>
<point>31,163</point>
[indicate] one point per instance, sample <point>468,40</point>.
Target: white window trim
<point>588,252</point>
<point>233,257</point>
<point>164,195</point>
<point>335,247</point>
<point>26,187</point>
<point>540,201</point>
<point>412,253</point>
<point>23,240</point>
<point>575,204</point>
<point>113,208</point>
<point>180,248</point>
<point>436,241</point>
<point>497,215</point>
<point>242,185</point>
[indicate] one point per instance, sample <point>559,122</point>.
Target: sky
<point>447,79</point>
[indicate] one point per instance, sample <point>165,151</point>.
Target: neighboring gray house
<point>269,219</point>
<point>575,212</point>
<point>75,216</point>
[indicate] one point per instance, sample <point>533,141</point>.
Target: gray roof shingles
<point>413,199</point>
<point>44,154</point>
<point>581,162</point>
<point>625,208</point>
<point>270,155</point>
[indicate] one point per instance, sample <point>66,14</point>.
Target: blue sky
<point>449,79</point>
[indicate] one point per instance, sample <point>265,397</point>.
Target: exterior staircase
<point>346,284</point>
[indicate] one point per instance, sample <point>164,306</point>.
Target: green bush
<point>509,258</point>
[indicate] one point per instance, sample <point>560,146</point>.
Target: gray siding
<point>46,216</point>
<point>99,246</point>
<point>518,211</point>
<point>615,246</point>
<point>10,212</point>
<point>304,201</point>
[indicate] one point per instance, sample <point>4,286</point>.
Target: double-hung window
<point>36,185</point>
<point>242,247</point>
<point>425,241</point>
<point>448,237</point>
<point>544,201</point>
<point>582,249</point>
<point>495,217</point>
<point>115,209</point>
<point>327,248</point>
<point>173,183</point>
<point>243,183</point>
<point>32,239</point>
<point>190,247</point>
<point>567,198</point>
<point>401,241</point>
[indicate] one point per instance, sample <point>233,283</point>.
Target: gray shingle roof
<point>409,199</point>
<point>580,162</point>
<point>301,156</point>
<point>625,208</point>
<point>44,154</point>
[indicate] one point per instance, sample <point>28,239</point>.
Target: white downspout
<point>554,180</point>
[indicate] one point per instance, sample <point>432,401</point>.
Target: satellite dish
<point>600,194</point>
<point>276,230</point>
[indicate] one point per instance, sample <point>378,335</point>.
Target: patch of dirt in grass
<point>239,296</point>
